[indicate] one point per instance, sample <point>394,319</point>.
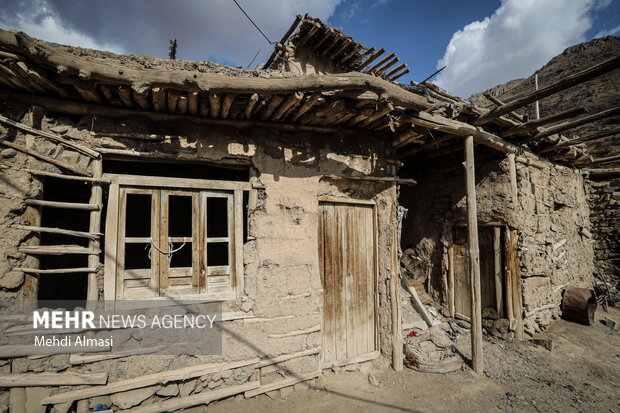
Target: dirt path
<point>581,373</point>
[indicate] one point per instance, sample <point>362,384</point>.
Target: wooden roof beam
<point>567,82</point>
<point>380,63</point>
<point>536,123</point>
<point>360,57</point>
<point>288,33</point>
<point>584,139</point>
<point>308,35</point>
<point>573,124</point>
<point>498,102</point>
<point>398,75</point>
<point>370,59</point>
<point>393,71</point>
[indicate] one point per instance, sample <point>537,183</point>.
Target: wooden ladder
<point>86,159</point>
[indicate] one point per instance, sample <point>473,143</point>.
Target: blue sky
<point>417,30</point>
<point>482,42</point>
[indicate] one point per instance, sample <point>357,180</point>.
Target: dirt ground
<point>581,373</point>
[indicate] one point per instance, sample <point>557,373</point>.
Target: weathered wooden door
<point>491,277</point>
<point>347,258</point>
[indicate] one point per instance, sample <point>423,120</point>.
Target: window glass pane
<point>183,257</point>
<point>217,253</point>
<point>217,217</point>
<point>137,256</point>
<point>179,216</point>
<point>138,215</point>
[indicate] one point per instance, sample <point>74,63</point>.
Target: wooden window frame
<point>202,189</point>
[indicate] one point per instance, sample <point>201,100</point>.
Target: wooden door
<point>491,274</point>
<point>347,260</point>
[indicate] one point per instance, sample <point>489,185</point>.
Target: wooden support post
<point>96,197</point>
<point>451,280</point>
<point>474,257</point>
<point>512,170</point>
<point>397,331</point>
<point>499,279</point>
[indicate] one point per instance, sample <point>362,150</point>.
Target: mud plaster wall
<point>604,199</point>
<point>304,60</point>
<point>282,281</point>
<point>551,212</point>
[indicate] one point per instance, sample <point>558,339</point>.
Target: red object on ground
<point>412,333</point>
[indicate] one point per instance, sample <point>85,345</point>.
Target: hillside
<point>596,95</point>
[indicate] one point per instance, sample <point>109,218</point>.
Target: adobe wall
<point>550,216</point>
<point>604,199</point>
<point>282,281</point>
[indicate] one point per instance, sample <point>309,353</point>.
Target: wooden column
<point>474,257</point>
<point>512,170</point>
<point>96,197</point>
<point>397,331</point>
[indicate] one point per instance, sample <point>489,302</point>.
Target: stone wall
<point>604,199</point>
<point>551,217</point>
<point>283,288</point>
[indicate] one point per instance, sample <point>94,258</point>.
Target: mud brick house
<point>285,193</point>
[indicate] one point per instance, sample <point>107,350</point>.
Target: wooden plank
<point>370,227</point>
<point>163,377</point>
<point>44,158</point>
<point>238,273</point>
<point>63,205</point>
<point>300,332</point>
<point>357,359</point>
<point>509,275</point>
<point>48,230</point>
<point>111,234</point>
<point>286,357</point>
<point>349,280</point>
<point>94,226</point>
<point>329,314</point>
<point>472,230</point>
<point>517,289</point>
<point>57,249</point>
<point>296,378</point>
<point>58,270</point>
<point>67,177</point>
<point>167,182</point>
<point>335,200</point>
<point>24,350</point>
<point>205,397</point>
<point>27,129</point>
<point>51,379</point>
<point>196,268</point>
<point>77,359</point>
<point>498,271</point>
<point>360,276</point>
<point>451,280</point>
<point>512,171</point>
<point>340,309</point>
<point>395,302</point>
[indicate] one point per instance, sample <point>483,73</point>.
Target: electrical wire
<point>252,21</point>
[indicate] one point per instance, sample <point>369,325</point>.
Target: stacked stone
<point>604,200</point>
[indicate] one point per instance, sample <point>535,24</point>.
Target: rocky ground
<point>580,373</point>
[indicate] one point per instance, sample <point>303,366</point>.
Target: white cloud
<point>520,37</point>
<point>205,30</point>
<point>51,30</point>
<point>609,32</point>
